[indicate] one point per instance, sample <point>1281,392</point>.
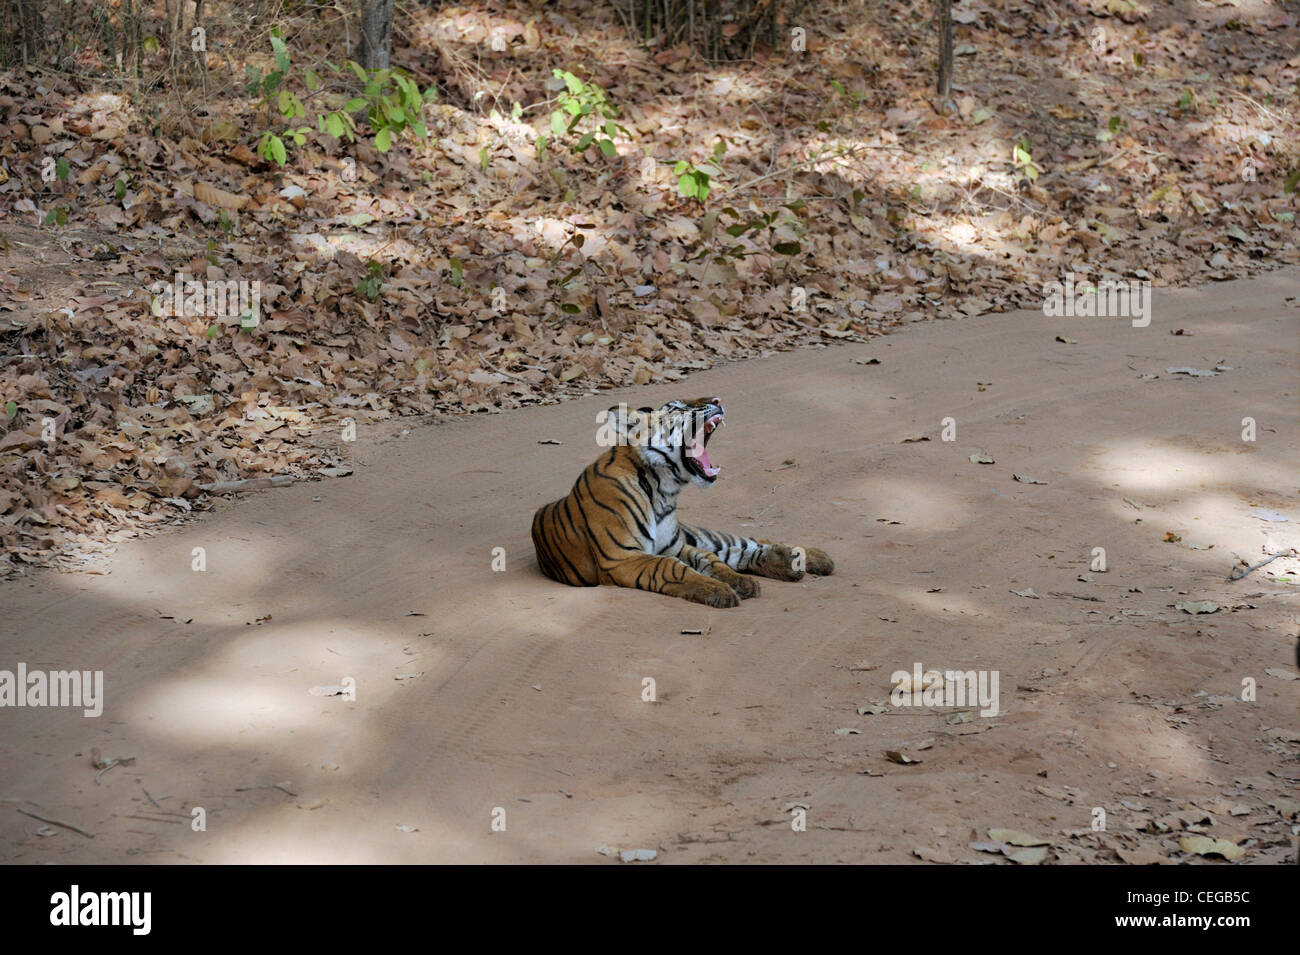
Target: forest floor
<point>474,271</point>
<point>1145,712</point>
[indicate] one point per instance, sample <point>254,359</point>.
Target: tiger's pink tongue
<point>700,454</point>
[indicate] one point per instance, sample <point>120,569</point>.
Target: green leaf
<point>457,272</point>
<point>1293,180</point>
<point>119,189</point>
<point>313,81</point>
<point>584,142</point>
<point>11,410</point>
<point>384,139</point>
<point>558,123</point>
<point>273,149</point>
<point>570,308</point>
<point>354,104</point>
<point>566,279</point>
<point>608,148</point>
<point>787,248</point>
<point>334,125</point>
<point>484,158</point>
<point>61,169</point>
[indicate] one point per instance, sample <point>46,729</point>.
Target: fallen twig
<point>104,765</point>
<point>1289,552</point>
<point>812,161</point>
<point>245,789</point>
<point>55,822</point>
<point>175,822</point>
<point>248,484</point>
<point>1265,110</point>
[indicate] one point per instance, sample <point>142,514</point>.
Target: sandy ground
<point>510,691</point>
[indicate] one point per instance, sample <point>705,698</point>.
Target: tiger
<point>618,525</point>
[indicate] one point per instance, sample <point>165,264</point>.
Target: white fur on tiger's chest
<point>663,532</point>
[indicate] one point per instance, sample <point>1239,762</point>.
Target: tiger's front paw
<point>745,587</point>
<point>715,594</point>
<point>818,562</point>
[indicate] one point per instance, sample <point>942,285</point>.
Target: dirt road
<point>479,690</point>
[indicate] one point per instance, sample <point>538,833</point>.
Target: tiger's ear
<point>615,424</point>
<point>622,425</point>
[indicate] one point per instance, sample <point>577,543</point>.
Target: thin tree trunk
<point>31,30</point>
<point>945,47</point>
<point>376,33</point>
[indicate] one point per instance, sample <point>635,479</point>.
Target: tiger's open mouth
<point>697,454</point>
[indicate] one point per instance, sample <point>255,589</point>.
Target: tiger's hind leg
<point>668,575</point>
<point>788,562</point>
<point>763,557</point>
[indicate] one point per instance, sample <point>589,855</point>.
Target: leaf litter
<point>1170,176</point>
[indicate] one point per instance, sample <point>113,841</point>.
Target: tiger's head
<point>673,438</point>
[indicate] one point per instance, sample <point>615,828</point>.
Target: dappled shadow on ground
<point>510,692</point>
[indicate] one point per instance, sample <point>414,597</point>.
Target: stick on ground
<point>55,822</point>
